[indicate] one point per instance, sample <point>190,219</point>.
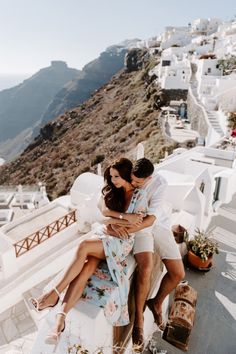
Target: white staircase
<point>213,117</point>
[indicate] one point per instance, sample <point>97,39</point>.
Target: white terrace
<point>16,201</point>
<point>197,186</point>
<point>47,239</point>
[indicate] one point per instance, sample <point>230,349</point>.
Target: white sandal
<point>54,337</point>
<point>34,303</point>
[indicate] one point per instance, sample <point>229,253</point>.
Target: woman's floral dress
<point>109,286</point>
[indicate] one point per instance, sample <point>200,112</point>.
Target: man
<point>143,176</point>
<point>157,236</point>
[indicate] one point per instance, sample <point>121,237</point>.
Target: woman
<point>119,203</point>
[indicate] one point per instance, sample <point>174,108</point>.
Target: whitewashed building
<point>174,71</point>
<point>175,36</point>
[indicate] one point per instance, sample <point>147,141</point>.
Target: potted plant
<point>201,249</point>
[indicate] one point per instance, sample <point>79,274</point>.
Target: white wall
<point>206,85</point>
<point>7,257</point>
<point>176,193</point>
<point>227,100</point>
<point>227,186</point>
<point>207,178</point>
<point>199,25</point>
<point>174,83</point>
<point>194,203</point>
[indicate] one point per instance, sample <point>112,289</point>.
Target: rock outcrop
<point>22,106</point>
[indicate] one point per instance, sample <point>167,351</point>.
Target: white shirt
<point>155,189</point>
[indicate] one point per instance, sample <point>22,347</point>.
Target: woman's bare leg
<point>86,248</point>
<point>75,290</point>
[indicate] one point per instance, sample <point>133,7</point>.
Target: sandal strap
<point>53,334</point>
<point>56,291</point>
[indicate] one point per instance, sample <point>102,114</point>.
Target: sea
<point>11,80</point>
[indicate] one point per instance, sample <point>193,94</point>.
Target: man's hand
<point>134,219</point>
<point>117,231</point>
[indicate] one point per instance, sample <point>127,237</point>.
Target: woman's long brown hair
<point>115,197</point>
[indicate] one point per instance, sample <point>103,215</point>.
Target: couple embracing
<point>132,204</point>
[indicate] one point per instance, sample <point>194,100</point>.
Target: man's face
<point>138,182</point>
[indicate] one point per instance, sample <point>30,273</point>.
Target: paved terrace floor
<point>214,331</point>
<point>179,131</point>
<point>28,227</point>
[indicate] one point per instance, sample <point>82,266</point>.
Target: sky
<point>35,32</point>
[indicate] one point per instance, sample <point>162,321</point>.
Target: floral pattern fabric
<point>109,286</point>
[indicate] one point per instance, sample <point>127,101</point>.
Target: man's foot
<point>138,339</point>
<point>157,315</point>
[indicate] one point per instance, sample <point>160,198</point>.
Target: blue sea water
<point>8,81</point>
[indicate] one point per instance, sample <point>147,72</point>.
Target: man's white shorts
<point>161,239</point>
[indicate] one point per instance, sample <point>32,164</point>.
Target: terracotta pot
<point>197,262</point>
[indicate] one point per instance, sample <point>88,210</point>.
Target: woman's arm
<point>133,219</point>
<point>119,222</point>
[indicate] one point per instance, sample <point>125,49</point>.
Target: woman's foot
<point>54,337</point>
<point>50,299</point>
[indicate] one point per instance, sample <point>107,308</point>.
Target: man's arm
<point>132,218</point>
<point>123,232</point>
<point>117,231</point>
<point>147,221</point>
<point>119,222</point>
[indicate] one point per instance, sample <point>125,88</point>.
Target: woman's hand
<point>115,221</point>
<point>134,219</point>
<point>117,231</point>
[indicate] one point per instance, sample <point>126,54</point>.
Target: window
<point>166,62</point>
<point>202,187</point>
<point>217,189</point>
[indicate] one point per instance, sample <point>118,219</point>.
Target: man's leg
<point>168,250</point>
<point>142,284</point>
<point>143,252</point>
<point>175,273</point>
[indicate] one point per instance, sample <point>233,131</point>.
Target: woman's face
<point>116,179</point>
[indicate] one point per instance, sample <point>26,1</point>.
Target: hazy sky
<point>34,32</point>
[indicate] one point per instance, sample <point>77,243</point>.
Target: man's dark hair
<point>143,168</point>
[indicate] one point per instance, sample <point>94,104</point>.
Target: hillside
<point>111,123</point>
<point>94,75</point>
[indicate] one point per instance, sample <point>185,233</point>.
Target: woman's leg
<point>75,290</point>
<point>86,248</point>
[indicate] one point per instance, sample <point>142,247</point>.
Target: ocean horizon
<point>11,80</point>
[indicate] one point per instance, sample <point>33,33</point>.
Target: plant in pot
<point>201,249</point>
